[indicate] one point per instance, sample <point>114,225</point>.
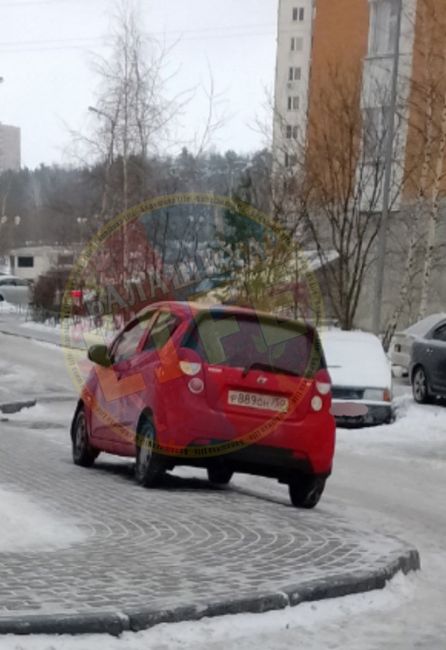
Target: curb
<point>14,407</point>
<point>137,619</point>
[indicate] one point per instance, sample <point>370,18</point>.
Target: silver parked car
<point>402,342</point>
<point>14,290</point>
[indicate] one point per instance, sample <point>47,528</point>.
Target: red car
<point>225,388</point>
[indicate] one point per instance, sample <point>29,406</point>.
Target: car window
<point>163,329</point>
<point>127,343</point>
<point>440,333</point>
<point>242,341</point>
<point>6,282</point>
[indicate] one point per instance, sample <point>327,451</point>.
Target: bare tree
<point>336,182</point>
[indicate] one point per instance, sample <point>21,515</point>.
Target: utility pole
<point>382,238</point>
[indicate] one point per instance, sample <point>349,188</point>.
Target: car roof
<point>422,327</point>
<point>188,309</point>
<point>353,336</point>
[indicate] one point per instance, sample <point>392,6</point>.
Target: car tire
<point>219,474</point>
<point>149,466</point>
<point>306,491</point>
<point>1,298</point>
<point>420,386</point>
<point>83,452</point>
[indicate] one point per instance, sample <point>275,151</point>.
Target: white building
<point>294,46</point>
<point>30,262</point>
<point>10,148</point>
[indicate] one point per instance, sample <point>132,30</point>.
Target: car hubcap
<point>420,385</point>
<point>145,450</point>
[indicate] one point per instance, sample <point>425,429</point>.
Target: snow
<point>41,327</point>
<point>8,308</point>
<point>26,526</point>
<point>418,431</point>
<point>356,359</point>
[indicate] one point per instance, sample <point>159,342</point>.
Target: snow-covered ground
<point>391,478</point>
<point>27,527</point>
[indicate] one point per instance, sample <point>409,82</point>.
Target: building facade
<point>346,58</point>
<point>322,43</point>
<point>10,148</point>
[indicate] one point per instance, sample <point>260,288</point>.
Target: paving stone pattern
<point>184,544</point>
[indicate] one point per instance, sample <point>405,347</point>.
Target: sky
<point>47,48</point>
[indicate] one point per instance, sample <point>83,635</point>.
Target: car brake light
<point>387,396</point>
<point>323,387</point>
<point>316,403</point>
<point>190,368</point>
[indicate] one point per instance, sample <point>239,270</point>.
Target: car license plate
<point>258,401</point>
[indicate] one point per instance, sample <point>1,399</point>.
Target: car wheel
<point>420,386</point>
<point>1,298</point>
<point>220,475</point>
<point>83,453</point>
<point>306,491</point>
<point>149,466</point>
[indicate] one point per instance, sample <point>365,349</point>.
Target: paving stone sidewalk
<point>182,551</point>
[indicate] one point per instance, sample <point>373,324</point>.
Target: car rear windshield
<point>251,341</point>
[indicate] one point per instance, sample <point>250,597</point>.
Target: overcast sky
<point>46,48</point>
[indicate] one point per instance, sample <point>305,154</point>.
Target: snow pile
<point>8,308</point>
<point>419,431</point>
<point>28,527</point>
<point>47,326</point>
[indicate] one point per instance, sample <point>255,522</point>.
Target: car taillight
<point>190,368</point>
<point>387,396</point>
<point>323,387</point>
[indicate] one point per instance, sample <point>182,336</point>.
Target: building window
<point>295,74</point>
<point>290,160</point>
<point>383,28</point>
<point>293,103</point>
<point>298,14</point>
<point>297,44</point>
<point>291,132</point>
<point>25,262</point>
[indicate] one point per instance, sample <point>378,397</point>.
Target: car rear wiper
<point>268,368</point>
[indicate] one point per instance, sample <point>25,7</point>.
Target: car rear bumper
<point>374,413</point>
<point>307,443</point>
<point>260,460</point>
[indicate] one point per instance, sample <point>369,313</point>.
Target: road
<point>382,479</point>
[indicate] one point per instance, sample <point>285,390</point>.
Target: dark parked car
<point>428,365</point>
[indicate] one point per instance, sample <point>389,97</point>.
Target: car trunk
<point>257,366</point>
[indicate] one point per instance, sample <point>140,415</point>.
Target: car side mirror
<point>99,354</point>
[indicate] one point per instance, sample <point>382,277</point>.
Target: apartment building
<point>10,148</point>
<point>352,43</point>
